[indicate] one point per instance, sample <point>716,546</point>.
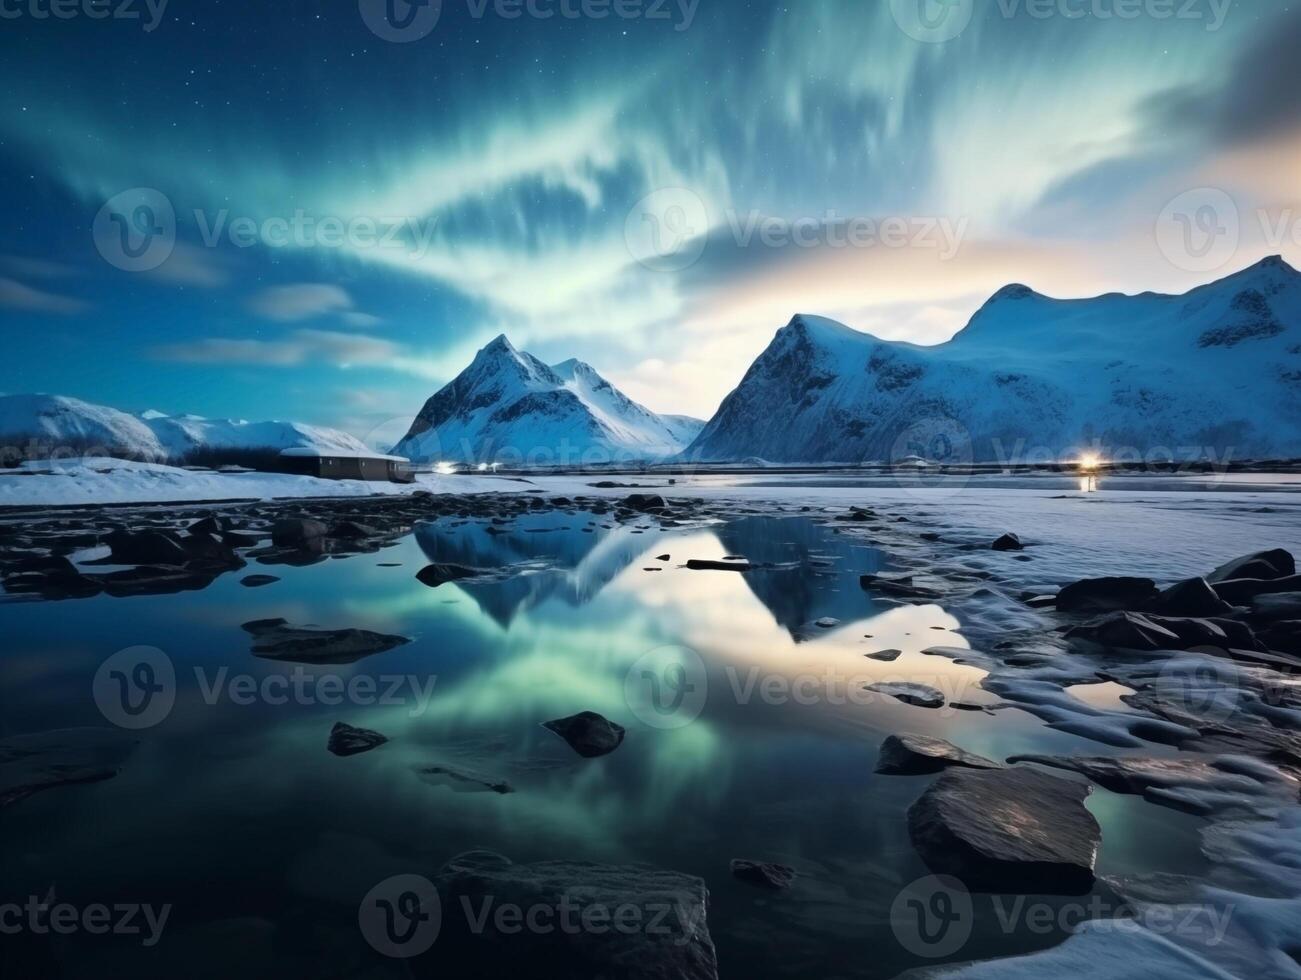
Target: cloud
<point>18,296</point>
<point>300,301</point>
<point>190,266</point>
<point>301,347</point>
<point>21,265</point>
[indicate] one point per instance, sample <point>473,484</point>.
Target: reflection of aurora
<point>814,571</point>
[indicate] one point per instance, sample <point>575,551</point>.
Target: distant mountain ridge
<point>41,423</point>
<point>1217,369</point>
<point>508,406</point>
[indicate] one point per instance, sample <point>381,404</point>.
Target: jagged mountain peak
<point>508,406</point>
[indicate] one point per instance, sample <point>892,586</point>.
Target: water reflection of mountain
<point>817,570</point>
<point>572,557</point>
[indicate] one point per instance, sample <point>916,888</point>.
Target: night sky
<point>501,167</point>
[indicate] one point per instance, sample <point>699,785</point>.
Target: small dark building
<point>347,466</point>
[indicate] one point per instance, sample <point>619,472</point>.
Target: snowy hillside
<point>186,433</point>
<point>508,406</point>
<point>1215,371</point>
<point>36,426</point>
<point>40,426</point>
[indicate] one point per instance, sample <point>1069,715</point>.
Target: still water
<point>762,745</point>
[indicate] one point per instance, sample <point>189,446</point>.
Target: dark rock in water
<point>1106,594</point>
<point>156,580</point>
<point>897,586</point>
<point>49,577</point>
<point>827,623</point>
<point>1284,605</point>
<point>1284,636</point>
<point>1263,564</point>
<point>918,695</point>
<point>440,574</point>
<point>295,532</point>
<point>670,940</point>
<point>1240,591</point>
<point>352,531</point>
<point>1015,830</point>
<point>1008,542</point>
<point>275,639</point>
<point>1137,631</point>
<point>645,503</point>
<point>464,780</point>
<point>257,581</point>
<point>915,755</point>
<point>706,564</point>
<point>764,873</point>
<point>886,656</point>
<point>208,551</point>
<point>1129,631</point>
<point>347,740</point>
<point>145,548</point>
<point>663,557</point>
<point>64,757</point>
<point>1192,597</point>
<point>588,734</point>
<point>1193,784</point>
<point>208,525</point>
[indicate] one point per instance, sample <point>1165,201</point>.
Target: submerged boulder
<point>765,874</point>
<point>588,734</point>
<point>275,639</point>
<point>1106,594</point>
<point>918,695</point>
<point>45,760</point>
<point>1008,830</point>
<point>634,922</point>
<point>347,740</point>
<point>915,755</point>
<point>1008,542</point>
<point>444,572</point>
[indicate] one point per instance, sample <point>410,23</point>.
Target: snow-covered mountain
<point>508,406</point>
<point>184,434</point>
<point>34,426</point>
<point>1214,371</point>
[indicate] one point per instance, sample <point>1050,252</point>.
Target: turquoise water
<point>748,735</point>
